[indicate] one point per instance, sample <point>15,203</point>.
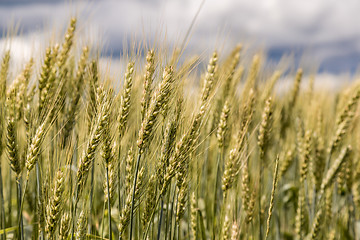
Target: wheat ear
<point>148,79</point>
<point>275,180</point>
<point>54,207</point>
<point>334,169</point>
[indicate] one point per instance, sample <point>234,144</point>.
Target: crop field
<point>210,147</point>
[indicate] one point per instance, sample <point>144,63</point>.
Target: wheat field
<point>180,151</point>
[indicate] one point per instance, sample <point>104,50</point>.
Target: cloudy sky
<point>326,29</point>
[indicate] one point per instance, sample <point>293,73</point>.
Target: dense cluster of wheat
<point>174,154</point>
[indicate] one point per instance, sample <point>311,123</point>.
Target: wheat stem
<point>108,202</point>
<point>133,193</point>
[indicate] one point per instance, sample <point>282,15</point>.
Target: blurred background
<point>324,34</point>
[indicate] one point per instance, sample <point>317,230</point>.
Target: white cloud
<point>327,27</point>
<point>22,48</point>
